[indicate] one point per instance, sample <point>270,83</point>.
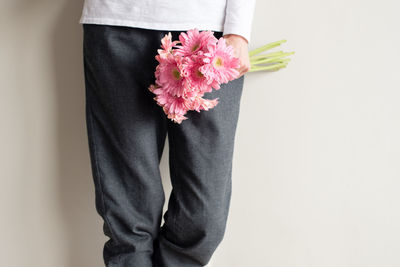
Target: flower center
<point>199,74</point>
<point>176,74</point>
<point>194,48</point>
<point>218,62</point>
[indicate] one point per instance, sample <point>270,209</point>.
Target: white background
<point>316,166</point>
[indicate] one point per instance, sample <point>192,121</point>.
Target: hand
<point>240,45</point>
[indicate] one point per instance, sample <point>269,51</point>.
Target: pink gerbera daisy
<point>194,41</point>
<point>195,77</point>
<point>170,75</point>
<point>174,107</point>
<point>200,103</point>
<point>220,63</point>
<point>166,44</point>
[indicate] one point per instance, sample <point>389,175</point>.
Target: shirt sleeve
<point>239,17</point>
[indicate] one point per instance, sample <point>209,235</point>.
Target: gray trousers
<point>127,132</point>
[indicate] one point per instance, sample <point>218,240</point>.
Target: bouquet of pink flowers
<point>185,72</point>
<point>202,62</point>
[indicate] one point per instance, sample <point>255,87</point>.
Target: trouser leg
<point>126,133</point>
<point>200,153</point>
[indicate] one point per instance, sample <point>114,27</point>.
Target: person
<point>127,130</point>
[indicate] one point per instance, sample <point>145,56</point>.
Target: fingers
<point>240,46</point>
<point>244,67</point>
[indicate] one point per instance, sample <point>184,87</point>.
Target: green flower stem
<point>272,54</point>
<point>265,47</point>
<point>268,60</point>
<point>277,54</point>
<point>270,67</point>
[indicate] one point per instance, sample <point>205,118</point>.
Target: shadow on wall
<point>82,225</point>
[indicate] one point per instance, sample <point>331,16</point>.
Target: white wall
<point>316,173</point>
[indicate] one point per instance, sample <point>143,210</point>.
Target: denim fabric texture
<point>127,131</point>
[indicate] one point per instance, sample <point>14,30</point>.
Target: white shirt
<point>227,16</point>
